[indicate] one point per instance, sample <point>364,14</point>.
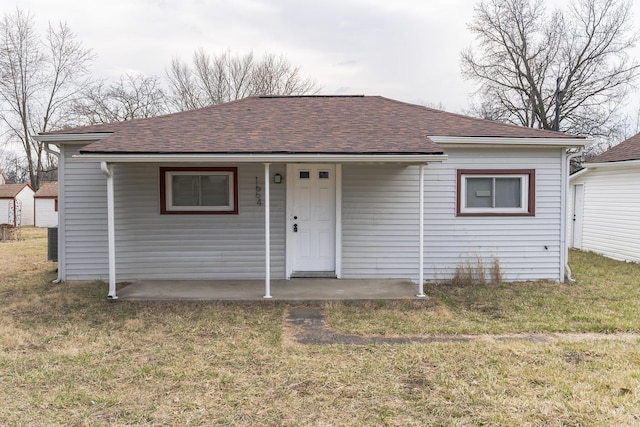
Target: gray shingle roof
<point>299,124</point>
<point>627,150</point>
<point>9,191</point>
<point>47,190</point>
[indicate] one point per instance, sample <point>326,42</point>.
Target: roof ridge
<point>313,96</point>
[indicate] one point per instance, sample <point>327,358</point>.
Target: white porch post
<point>111,232</point>
<point>267,234</point>
<point>421,237</point>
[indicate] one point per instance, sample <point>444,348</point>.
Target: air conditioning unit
<point>52,244</point>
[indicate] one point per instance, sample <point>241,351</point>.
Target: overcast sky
<point>403,49</point>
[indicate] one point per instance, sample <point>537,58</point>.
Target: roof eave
<point>262,158</point>
<point>497,141</point>
<point>71,138</point>
<point>615,164</point>
<point>578,174</point>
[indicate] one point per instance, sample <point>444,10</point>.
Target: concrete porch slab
<point>300,290</point>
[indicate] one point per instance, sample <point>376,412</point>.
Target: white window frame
<point>525,197</point>
<point>167,196</point>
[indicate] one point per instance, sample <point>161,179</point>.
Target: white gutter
<point>111,234</point>
<point>616,164</point>
<point>48,149</point>
<point>578,174</point>
<point>502,141</point>
<point>72,138</point>
<point>57,155</point>
<point>566,167</point>
<point>61,138</point>
<point>263,158</point>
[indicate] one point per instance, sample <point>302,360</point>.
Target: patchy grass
<point>69,357</point>
<point>605,298</point>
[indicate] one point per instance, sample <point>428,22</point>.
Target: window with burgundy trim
<point>198,190</point>
<point>490,192</point>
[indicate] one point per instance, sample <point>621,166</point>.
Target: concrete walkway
<point>299,290</point>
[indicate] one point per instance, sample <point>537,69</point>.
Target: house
<point>605,203</point>
<point>16,204</point>
<point>307,186</point>
<point>46,205</point>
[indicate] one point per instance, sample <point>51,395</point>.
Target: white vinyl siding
<point>154,246</point>
<point>82,202</point>
<point>380,219</point>
<point>6,211</point>
<point>26,198</point>
<point>379,223</point>
<point>527,247</point>
<point>611,212</point>
<point>24,202</point>
<point>46,215</point>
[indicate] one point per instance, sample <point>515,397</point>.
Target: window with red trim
<point>490,192</point>
<point>198,190</point>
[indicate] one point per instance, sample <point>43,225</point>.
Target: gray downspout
<point>566,245</point>
<point>111,236</point>
<point>57,155</point>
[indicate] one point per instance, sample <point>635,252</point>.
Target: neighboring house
<point>46,205</point>
<point>16,204</point>
<point>348,187</point>
<point>605,203</point>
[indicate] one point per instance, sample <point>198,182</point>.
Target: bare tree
<point>38,79</point>
<point>222,78</point>
<point>566,70</point>
<point>132,97</point>
<point>15,167</point>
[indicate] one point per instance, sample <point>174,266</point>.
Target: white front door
<point>312,218</point>
<point>576,230</point>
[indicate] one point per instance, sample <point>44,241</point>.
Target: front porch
<point>299,290</point>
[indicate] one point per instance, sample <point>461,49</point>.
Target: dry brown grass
<point>470,273</point>
<point>605,299</point>
<point>69,357</point>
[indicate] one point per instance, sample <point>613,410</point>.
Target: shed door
<point>576,231</point>
<point>313,219</point>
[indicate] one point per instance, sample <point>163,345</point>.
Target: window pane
<point>304,174</point>
<point>323,174</point>
<point>479,192</point>
<point>215,190</point>
<point>508,193</point>
<point>185,190</point>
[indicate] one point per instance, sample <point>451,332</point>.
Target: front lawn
<point>604,298</point>
<point>69,357</point>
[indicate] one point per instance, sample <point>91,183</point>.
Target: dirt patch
<point>308,325</point>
